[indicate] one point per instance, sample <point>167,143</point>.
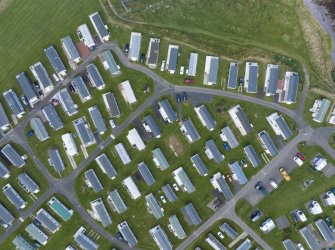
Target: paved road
<point>65,186</point>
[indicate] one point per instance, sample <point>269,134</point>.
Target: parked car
<point>300,246</point>
<point>175,187</point>
<point>54,101</point>
<point>255,216</point>
<point>71,88</point>
<point>259,186</point>
<point>229,177</point>
<point>126,49</point>
<point>241,81</point>
<point>284,174</point>
<point>24,100</point>
<point>301,215</point>
<point>273,183</point>
<point>244,163</point>
<point>178,99</point>
<point>226,146</point>
<point>182,69</point>
<point>142,58</point>
<point>112,123</point>
<point>220,234</point>
<point>300,156</point>
<point>37,86</point>
<point>188,80</point>
<point>328,221</point>
<point>298,161</point>
<point>295,218</point>
<point>163,199</point>
<point>163,65</point>
<point>184,96</point>
<point>40,93</point>
<point>30,133</point>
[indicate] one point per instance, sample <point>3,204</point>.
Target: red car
<point>299,155</point>
<point>188,80</point>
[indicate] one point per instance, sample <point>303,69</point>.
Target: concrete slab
<point>329,170</point>
<point>282,222</point>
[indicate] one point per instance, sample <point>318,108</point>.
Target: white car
<point>112,123</point>
<point>300,247</point>
<point>163,65</point>
<point>182,69</point>
<point>301,215</point>
<point>220,235</point>
<point>273,183</point>
<point>175,186</point>
<point>298,161</point>
<point>163,199</point>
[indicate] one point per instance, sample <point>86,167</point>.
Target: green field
<point>64,236</point>
<point>137,216</point>
<point>295,197</point>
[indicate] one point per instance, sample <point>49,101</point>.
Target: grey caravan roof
<point>56,160</point>
<point>26,181</point>
<point>173,59</point>
<point>36,233</point>
<point>252,156</point>
<point>122,153</point>
<point>288,244</point>
<point>211,238</point>
<point>309,238</point>
<point>81,88</point>
<point>3,170</point>
<point>191,130</point>
<point>253,78</point>
<point>244,120</point>
<point>85,242</point>
<point>26,86</point>
<point>95,75</point>
<point>113,107</point>
<point>270,146</point>
<point>211,146</point>
<point>136,46</point>
<point>101,212</point>
<point>113,67</point>
<point>231,233</point>
<point>5,216</point>
<point>154,206</point>
<point>72,51</point>
<point>283,127</point>
<point>161,238</point>
<point>97,119</point>
<point>273,80</point>
<point>199,165</point>
<point>84,131</point>
<point>22,243</point>
<point>291,94</point>
<point>106,165</point>
<point>185,180</point>
<point>13,196</point>
<point>245,245</point>
<point>168,110</point>
<point>154,50</point>
<point>3,117</point>
<point>149,120</point>
<point>237,170</point>
<point>191,215</point>
<point>117,201</point>
<point>47,220</point>
<point>159,156</point>
<point>146,174</point>
<point>127,234</point>
<point>38,126</point>
<point>213,70</point>
<point>232,77</point>
<point>232,141</point>
<point>177,227</point>
<point>99,24</point>
<point>13,102</point>
<point>13,156</point>
<point>94,180</point>
<point>324,230</point>
<point>192,64</point>
<point>206,116</point>
<point>67,104</point>
<point>54,59</point>
<point>227,193</point>
<point>52,116</point>
<point>43,77</point>
<point>169,193</point>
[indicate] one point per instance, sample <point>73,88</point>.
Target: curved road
<point>65,186</point>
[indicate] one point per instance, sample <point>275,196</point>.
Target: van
<point>273,183</point>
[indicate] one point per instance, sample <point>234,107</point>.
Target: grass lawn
<point>138,82</point>
<point>295,197</point>
<point>200,242</point>
<point>137,216</point>
<point>62,238</point>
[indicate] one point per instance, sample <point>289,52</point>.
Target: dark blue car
<point>30,133</point>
